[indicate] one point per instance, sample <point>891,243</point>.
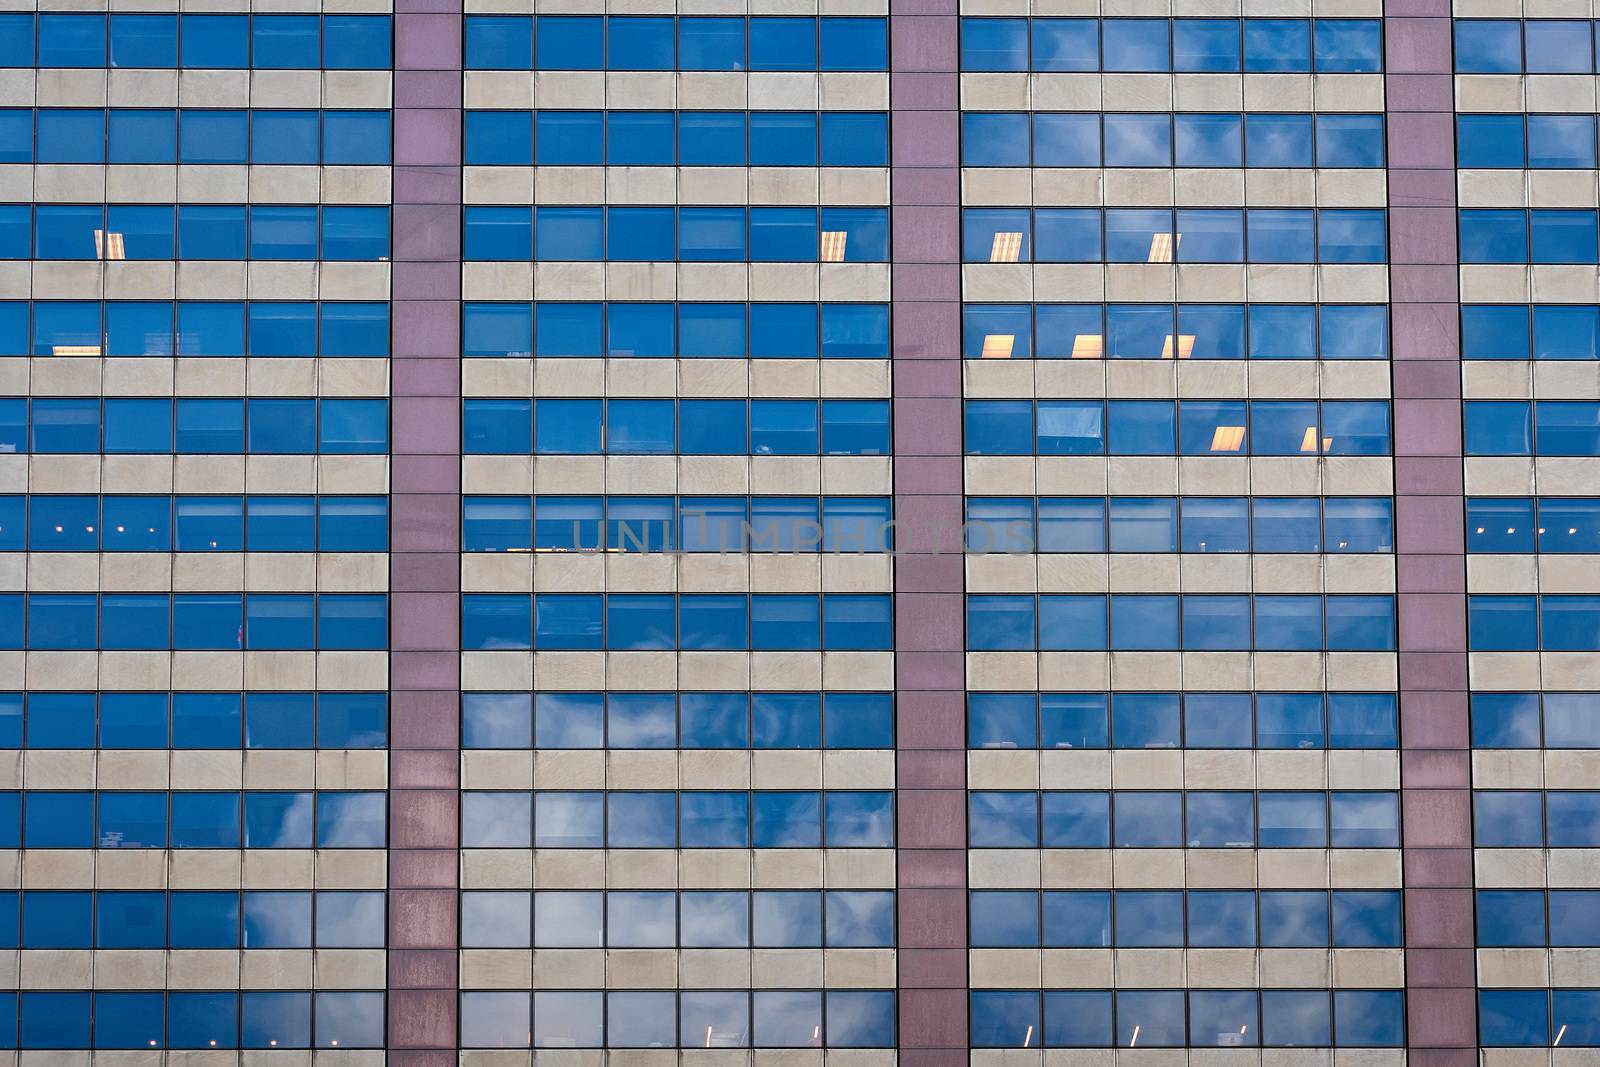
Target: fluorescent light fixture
<point>833,242</point>
<point>108,245</point>
<point>74,350</point>
<point>1185,346</point>
<point>998,345</point>
<point>1227,439</point>
<point>1088,346</point>
<point>1163,246</point>
<point>1007,247</point>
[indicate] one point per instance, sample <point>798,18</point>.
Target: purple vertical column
<point>1435,768</point>
<point>425,567</point>
<point>930,657</point>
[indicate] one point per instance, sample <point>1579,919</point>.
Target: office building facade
<point>876,531</point>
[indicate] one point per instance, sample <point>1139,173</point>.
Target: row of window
<point>1193,819</point>
<point>1201,331</point>
<point>191,425</point>
<point>1518,331</point>
<point>834,1018</point>
<point>1537,46</point>
<point>1540,1018</point>
<point>863,524</point>
<point>193,231</point>
<point>677,720</point>
<point>1186,428</point>
<point>689,621</point>
<point>254,819</point>
<point>1179,524</point>
<point>1533,819</point>
<point>1540,235</point>
<point>1193,622</point>
<point>1160,235</point>
<point>1204,46</point>
<point>1535,720</point>
<point>687,819</point>
<point>1245,1018</point>
<point>1553,622</point>
<point>209,621</point>
<point>1528,428</point>
<point>623,42</point>
<point>1191,139</point>
<point>255,523</point>
<point>193,328</point>
<point>1261,331</point>
<point>1181,720</point>
<point>688,331</point>
<point>1525,524</point>
<point>1172,918</point>
<point>265,720</point>
<point>662,918</point>
<point>80,919</point>
<point>1510,918</point>
<point>684,524</point>
<point>677,138</point>
<point>690,234</point>
<point>192,135</point>
<point>662,427</point>
<point>1539,142</point>
<point>192,1020</point>
<point>305,42</point>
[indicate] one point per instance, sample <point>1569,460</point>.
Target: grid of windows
<point>677,138</point>
<point>195,136</point>
<point>194,328</point>
<point>705,329</point>
<point>193,720</point>
<point>664,851</point>
<point>207,41</point>
<point>1190,819</point>
<point>254,523</point>
<point>1139,139</point>
<point>688,819</point>
<point>1203,331</point>
<point>649,1019</point>
<point>690,43</point>
<point>683,720</point>
<point>1185,45</point>
<point>1163,1018</point>
<point>1185,427</point>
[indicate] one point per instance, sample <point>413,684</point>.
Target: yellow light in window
<point>1088,346</point>
<point>1007,247</point>
<point>1163,246</point>
<point>108,245</point>
<point>74,350</point>
<point>833,242</point>
<point>998,345</point>
<point>1227,439</point>
<point>1185,346</point>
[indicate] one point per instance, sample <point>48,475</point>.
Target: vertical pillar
<point>425,568</point>
<point>930,657</point>
<point>1435,769</point>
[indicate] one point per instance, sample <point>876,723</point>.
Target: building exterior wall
<point>852,533</point>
